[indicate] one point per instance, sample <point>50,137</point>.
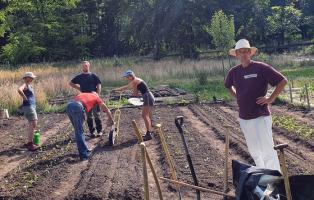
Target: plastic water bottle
<point>36,138</point>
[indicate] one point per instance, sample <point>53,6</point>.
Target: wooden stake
<point>153,172</point>
<point>168,157</point>
<point>283,168</point>
<point>226,159</point>
<point>165,149</point>
<point>137,131</point>
<point>117,114</point>
<point>292,85</point>
<point>307,97</point>
<point>290,91</point>
<point>145,176</point>
<point>196,187</point>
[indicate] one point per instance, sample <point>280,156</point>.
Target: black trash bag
<point>302,187</point>
<point>249,182</point>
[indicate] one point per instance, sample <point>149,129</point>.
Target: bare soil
<point>55,171</point>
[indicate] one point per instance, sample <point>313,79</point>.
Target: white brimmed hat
<point>243,43</point>
<point>29,74</point>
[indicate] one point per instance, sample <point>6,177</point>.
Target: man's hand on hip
<point>264,100</point>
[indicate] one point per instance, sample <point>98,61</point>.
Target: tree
<point>283,22</point>
<point>42,27</point>
<point>222,30</point>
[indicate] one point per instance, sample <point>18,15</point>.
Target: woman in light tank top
<point>29,107</point>
<point>138,85</point>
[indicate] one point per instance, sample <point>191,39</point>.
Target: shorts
<point>30,113</point>
<point>148,99</point>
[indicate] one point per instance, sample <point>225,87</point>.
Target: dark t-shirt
<point>87,82</point>
<point>250,83</point>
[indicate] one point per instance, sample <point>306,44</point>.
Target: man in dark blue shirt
<point>89,82</point>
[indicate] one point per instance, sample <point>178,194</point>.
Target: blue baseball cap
<point>128,73</point>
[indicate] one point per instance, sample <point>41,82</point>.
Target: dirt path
<point>73,176</point>
<point>113,172</point>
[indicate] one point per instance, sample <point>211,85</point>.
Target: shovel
<point>179,125</point>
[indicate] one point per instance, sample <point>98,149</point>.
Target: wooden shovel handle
<point>280,146</point>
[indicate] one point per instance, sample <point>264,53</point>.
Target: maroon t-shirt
<point>250,83</point>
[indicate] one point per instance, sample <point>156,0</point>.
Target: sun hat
<point>128,73</point>
<point>242,43</point>
<point>29,74</point>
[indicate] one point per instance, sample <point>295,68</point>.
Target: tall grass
<point>53,78</point>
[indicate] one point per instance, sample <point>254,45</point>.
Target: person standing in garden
<point>76,110</point>
<point>26,91</point>
<point>89,82</point>
<point>248,83</point>
<point>136,84</point>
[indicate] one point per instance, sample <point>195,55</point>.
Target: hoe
<point>114,131</point>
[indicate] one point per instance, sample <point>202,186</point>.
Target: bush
<point>263,57</point>
<point>202,78</point>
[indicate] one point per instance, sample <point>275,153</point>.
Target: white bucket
<point>4,113</point>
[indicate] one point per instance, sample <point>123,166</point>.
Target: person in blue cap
<point>136,84</point>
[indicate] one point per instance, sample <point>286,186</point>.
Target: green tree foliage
<point>283,20</point>
<point>50,30</point>
<point>38,30</point>
<point>21,49</point>
<point>222,30</point>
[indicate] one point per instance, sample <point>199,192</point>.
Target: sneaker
<point>100,134</point>
<point>32,147</point>
<point>147,136</point>
<point>26,145</point>
<point>83,159</point>
<point>93,134</point>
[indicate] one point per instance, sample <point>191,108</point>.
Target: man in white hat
<point>248,83</point>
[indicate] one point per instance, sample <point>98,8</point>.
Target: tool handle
<point>280,146</point>
<point>179,124</point>
<point>179,121</point>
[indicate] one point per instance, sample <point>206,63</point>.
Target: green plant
<point>115,104</point>
<point>291,124</point>
<point>202,78</point>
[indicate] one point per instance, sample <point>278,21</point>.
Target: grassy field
<point>203,78</point>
